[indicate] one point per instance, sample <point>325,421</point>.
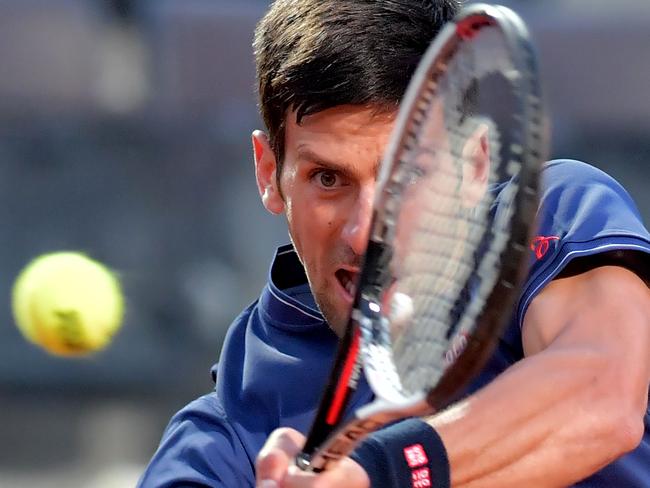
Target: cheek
<point>315,221</point>
<point>313,231</point>
<point>309,222</point>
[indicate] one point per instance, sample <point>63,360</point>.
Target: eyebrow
<point>307,154</point>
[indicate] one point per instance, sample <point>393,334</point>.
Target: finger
<point>277,455</point>
<point>346,473</point>
<point>297,478</point>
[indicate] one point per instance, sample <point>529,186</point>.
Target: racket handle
<point>340,444</point>
<point>367,420</point>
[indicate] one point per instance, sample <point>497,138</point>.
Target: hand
<point>275,466</point>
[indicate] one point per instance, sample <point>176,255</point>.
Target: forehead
<point>340,126</point>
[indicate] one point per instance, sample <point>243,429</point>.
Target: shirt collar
<point>281,308</point>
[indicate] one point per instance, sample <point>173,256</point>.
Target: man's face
<point>327,188</point>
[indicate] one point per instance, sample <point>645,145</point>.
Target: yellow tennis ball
<point>67,303</point>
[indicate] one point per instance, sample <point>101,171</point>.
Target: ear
<point>476,166</point>
<point>265,173</point>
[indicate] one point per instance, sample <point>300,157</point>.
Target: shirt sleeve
<point>583,212</point>
<point>199,448</point>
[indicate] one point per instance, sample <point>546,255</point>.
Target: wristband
<point>409,453</point>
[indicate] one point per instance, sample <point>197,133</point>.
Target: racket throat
<point>348,382</point>
<point>344,380</point>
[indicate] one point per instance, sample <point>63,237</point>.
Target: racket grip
<point>367,420</point>
<point>339,446</point>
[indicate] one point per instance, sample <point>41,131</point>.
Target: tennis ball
<point>67,303</point>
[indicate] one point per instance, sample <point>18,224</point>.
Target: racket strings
<point>441,291</point>
<point>444,254</point>
<point>454,249</point>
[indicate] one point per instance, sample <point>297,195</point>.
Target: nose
<point>357,226</point>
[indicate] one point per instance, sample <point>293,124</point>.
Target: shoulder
<point>563,168</point>
<point>580,180</point>
<point>199,446</point>
<point>584,213</point>
<point>574,194</point>
<point>204,412</point>
<point>571,171</point>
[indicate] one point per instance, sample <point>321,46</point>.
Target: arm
<point>575,403</point>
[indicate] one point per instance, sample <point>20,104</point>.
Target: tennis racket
<point>452,220</point>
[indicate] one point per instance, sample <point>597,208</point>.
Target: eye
<point>326,178</point>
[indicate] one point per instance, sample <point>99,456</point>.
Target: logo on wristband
<point>416,457</point>
<point>421,478</point>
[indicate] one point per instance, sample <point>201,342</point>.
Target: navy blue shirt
<point>278,352</point>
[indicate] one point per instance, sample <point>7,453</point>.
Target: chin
<point>338,327</point>
<point>336,319</point>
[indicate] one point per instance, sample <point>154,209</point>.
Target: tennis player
<point>563,401</point>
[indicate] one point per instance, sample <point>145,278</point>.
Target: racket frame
<point>324,446</point>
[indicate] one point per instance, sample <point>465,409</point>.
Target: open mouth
<point>347,279</point>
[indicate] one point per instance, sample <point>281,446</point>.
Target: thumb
<point>276,456</point>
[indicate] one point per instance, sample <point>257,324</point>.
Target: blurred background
<point>124,133</point>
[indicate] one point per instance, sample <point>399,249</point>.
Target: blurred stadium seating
<point>124,132</point>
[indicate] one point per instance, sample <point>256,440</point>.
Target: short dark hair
<point>312,55</point>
